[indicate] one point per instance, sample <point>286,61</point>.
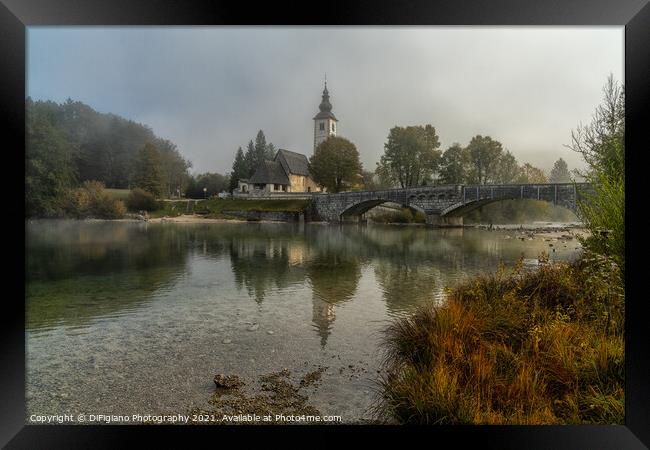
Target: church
<point>289,171</point>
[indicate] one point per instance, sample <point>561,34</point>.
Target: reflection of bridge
<point>445,205</point>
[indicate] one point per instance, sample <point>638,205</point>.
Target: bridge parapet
<point>448,201</point>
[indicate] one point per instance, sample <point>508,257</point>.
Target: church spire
<point>324,122</point>
<point>325,105</point>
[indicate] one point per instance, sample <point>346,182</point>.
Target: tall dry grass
<point>515,347</point>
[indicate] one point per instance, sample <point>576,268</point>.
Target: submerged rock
<point>227,381</point>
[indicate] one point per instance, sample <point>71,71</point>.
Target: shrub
<point>141,200</point>
<point>524,347</point>
<point>91,200</point>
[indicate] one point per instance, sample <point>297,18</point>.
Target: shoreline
<point>550,230</point>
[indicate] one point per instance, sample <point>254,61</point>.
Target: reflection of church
<point>334,280</point>
<point>323,316</point>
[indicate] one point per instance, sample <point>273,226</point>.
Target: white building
<point>325,122</point>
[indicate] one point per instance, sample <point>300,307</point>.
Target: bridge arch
<point>364,206</point>
<point>460,209</point>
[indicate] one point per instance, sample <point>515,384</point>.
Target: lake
<point>137,318</point>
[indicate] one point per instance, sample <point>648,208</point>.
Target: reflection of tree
<point>261,264</point>
<point>78,271</point>
<point>334,279</point>
<point>405,284</point>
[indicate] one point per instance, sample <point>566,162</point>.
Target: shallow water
<point>136,318</point>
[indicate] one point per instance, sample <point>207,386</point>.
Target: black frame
<point>15,15</point>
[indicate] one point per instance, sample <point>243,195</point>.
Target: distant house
<point>288,172</point>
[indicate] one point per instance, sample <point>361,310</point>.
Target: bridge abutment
<point>438,221</point>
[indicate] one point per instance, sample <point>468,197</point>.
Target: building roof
<point>269,172</point>
<point>325,106</point>
<point>292,162</point>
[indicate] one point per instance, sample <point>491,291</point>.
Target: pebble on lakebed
<point>227,381</point>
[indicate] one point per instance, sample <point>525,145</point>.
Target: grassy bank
<point>214,208</point>
<point>518,347</point>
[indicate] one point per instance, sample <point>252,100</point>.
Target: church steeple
<point>325,105</point>
<point>324,121</point>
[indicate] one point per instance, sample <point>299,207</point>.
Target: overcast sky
<point>210,89</point>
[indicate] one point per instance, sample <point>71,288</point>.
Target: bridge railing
<point>452,186</point>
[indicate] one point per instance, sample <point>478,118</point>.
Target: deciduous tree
<point>148,173</point>
<point>484,154</point>
<point>411,155</point>
<point>560,172</point>
<point>335,164</point>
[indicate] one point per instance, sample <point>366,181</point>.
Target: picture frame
<point>634,15</point>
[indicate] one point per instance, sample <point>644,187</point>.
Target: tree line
<point>70,146</point>
<point>412,157</point>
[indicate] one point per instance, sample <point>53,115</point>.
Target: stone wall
<point>279,216</point>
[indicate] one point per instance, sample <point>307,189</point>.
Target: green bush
<point>141,200</point>
<point>603,212</point>
<point>92,201</point>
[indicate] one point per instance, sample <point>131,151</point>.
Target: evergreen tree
<point>148,173</point>
<point>239,170</point>
<point>249,160</point>
<point>260,148</point>
<point>270,151</point>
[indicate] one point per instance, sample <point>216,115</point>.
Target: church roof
<point>269,172</point>
<point>325,106</point>
<point>292,162</point>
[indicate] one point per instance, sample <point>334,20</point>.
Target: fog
<point>210,89</point>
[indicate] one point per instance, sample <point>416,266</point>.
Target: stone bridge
<point>444,205</point>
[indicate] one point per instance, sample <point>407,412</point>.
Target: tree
<point>484,155</point>
<point>148,173</point>
<point>249,160</point>
<point>239,170</point>
<point>602,146</point>
<point>508,170</point>
<point>270,151</point>
<point>335,163</point>
<point>560,172</point>
<point>49,166</point>
<point>530,174</point>
<point>371,181</point>
<point>411,155</point>
<point>173,169</point>
<point>260,148</point>
<point>601,143</point>
<point>454,165</point>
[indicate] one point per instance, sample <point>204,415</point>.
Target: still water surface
<point>136,318</point>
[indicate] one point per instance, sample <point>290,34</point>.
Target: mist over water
<point>128,318</point>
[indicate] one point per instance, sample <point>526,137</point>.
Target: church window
<point>322,126</point>
<point>332,127</point>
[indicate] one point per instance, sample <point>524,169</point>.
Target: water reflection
<point>80,272</point>
<point>334,278</point>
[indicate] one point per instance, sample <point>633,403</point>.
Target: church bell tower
<point>325,123</point>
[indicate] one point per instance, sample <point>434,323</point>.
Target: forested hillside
<point>70,143</point>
